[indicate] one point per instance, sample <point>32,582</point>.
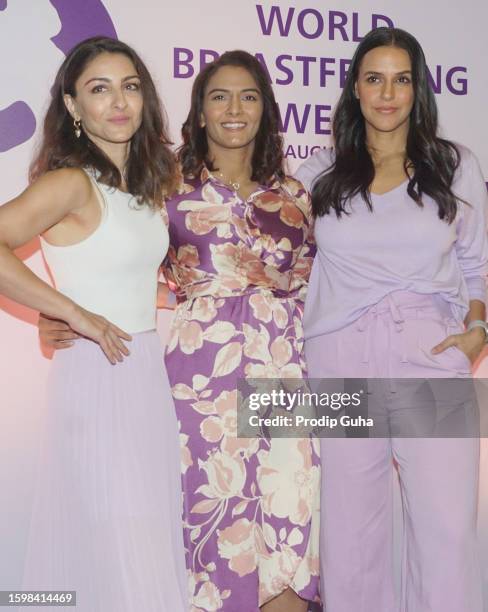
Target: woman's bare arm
<point>41,206</point>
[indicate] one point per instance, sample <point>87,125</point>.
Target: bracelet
<point>479,323</point>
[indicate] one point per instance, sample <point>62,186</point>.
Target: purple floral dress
<point>251,506</point>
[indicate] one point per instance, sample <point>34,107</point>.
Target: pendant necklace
<point>234,184</point>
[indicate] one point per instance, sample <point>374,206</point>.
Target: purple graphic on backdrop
<point>17,124</point>
<point>79,19</point>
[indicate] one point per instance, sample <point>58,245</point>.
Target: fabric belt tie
<point>368,324</point>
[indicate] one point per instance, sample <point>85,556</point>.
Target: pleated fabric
<point>107,515</point>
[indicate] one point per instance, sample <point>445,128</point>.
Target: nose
<point>235,106</point>
<point>119,98</point>
<point>387,92</point>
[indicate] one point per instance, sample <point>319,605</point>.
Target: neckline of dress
<point>96,173</point>
<point>390,191</point>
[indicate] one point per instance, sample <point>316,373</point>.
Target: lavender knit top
<point>364,256</point>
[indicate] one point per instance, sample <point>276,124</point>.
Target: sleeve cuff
<point>477,288</point>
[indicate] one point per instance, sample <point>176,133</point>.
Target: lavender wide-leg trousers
<point>438,477</point>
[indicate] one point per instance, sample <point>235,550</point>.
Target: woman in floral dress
<point>240,254</point>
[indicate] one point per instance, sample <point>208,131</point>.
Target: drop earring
<point>77,126</point>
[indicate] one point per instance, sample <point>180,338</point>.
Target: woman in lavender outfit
<point>397,290</point>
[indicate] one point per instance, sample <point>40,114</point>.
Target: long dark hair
<point>151,168</point>
<point>268,150</point>
<point>432,160</point>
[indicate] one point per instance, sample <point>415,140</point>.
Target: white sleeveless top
<point>114,271</point>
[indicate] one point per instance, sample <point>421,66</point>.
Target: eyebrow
<point>375,72</point>
<point>229,91</point>
<point>107,80</point>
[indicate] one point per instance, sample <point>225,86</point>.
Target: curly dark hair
<point>433,160</point>
<point>268,151</point>
<point>151,166</point>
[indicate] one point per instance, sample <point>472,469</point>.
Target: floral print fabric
<point>240,270</point>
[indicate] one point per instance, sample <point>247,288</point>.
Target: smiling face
<point>232,109</point>
<point>385,90</point>
<point>108,100</point>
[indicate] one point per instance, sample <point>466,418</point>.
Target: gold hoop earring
<point>77,126</point>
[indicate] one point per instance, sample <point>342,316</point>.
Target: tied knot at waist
<point>386,306</point>
<point>401,306</point>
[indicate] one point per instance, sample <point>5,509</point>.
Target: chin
<point>118,139</point>
<point>238,143</point>
<point>386,126</point>
<point>122,137</point>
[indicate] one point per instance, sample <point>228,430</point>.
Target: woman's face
<point>384,88</point>
<point>108,99</point>
<point>232,109</point>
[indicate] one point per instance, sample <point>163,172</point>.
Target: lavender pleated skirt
<point>107,514</point>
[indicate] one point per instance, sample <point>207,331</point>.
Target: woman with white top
<point>107,515</point>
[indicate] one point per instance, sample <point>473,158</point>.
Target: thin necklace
<point>236,185</point>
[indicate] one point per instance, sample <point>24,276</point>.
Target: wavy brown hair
<point>267,159</point>
<point>433,161</point>
<point>151,167</point>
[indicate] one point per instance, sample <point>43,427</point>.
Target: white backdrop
<point>305,46</point>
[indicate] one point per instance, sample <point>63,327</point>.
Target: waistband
<point>134,335</point>
<point>407,304</point>
<point>191,293</point>
<point>401,306</point>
